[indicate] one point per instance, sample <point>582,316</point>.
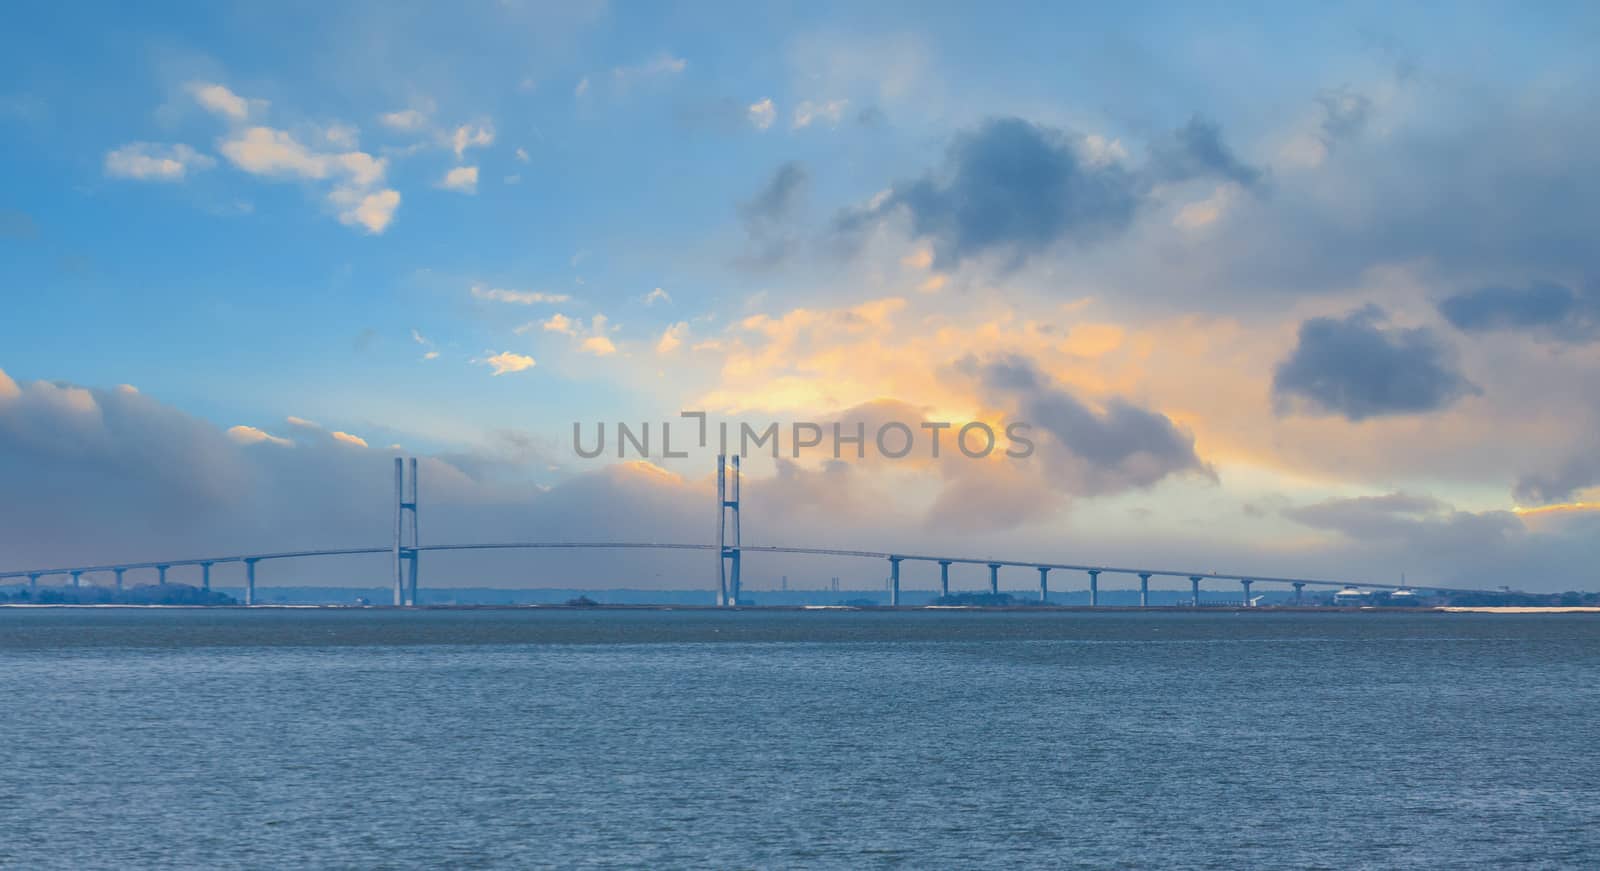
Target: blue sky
<point>343,215</point>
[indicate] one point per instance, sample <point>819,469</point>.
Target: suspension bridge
<point>406,549</point>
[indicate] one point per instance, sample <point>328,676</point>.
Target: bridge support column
<point>1245,582</point>
<point>205,577</point>
<point>1144,589</point>
<point>944,578</point>
<point>1299,592</point>
<point>119,578</point>
<point>1094,588</point>
<point>77,579</point>
<point>1194,595</point>
<point>250,582</point>
<point>894,581</point>
<point>33,583</point>
<point>1044,585</point>
<point>399,526</point>
<point>161,575</point>
<point>994,579</point>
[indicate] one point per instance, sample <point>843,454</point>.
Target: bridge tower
<point>405,555</point>
<point>727,538</point>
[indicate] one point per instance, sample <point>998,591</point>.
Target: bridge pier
<point>1245,582</point>
<point>994,579</point>
<point>1194,595</point>
<point>1094,588</point>
<point>205,577</point>
<point>161,575</point>
<point>944,578</point>
<point>33,583</point>
<point>894,582</point>
<point>1144,589</point>
<point>77,579</point>
<point>1299,592</point>
<point>1044,585</point>
<point>250,581</point>
<point>119,578</point>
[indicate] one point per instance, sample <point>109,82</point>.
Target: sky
<point>1284,289</point>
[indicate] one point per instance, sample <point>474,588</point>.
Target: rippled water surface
<point>365,739</point>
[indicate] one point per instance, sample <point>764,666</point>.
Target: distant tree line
<point>150,594</point>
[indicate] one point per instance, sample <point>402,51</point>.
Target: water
<point>480,739</point>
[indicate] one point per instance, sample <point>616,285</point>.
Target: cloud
<point>1543,309</point>
<point>509,361</point>
<point>470,136</point>
<point>1403,518</point>
<point>1013,187</point>
<point>581,88</point>
<point>1356,368</point>
<point>404,119</point>
<point>1196,150</point>
<point>770,215</point>
<point>662,64</point>
<point>1562,482</point>
<point>461,178</point>
<point>357,176</point>
<point>1016,189</point>
<point>149,161</point>
<point>349,439</point>
<point>1116,447</point>
<point>762,113</point>
<point>672,338</point>
<point>657,295</point>
<point>373,211</point>
<point>302,422</point>
<point>559,323</point>
<point>218,100</point>
<point>425,342</point>
<point>249,435</point>
<point>809,112</point>
<point>600,346</point>
<point>520,297</point>
<point>522,155</point>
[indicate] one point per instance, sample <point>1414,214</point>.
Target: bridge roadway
<point>894,557</point>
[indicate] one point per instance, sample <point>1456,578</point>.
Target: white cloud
<point>404,119</point>
<point>657,295</point>
<point>349,439</point>
<point>522,155</point>
<point>582,87</point>
<point>600,346</point>
<point>276,153</point>
<point>763,113</point>
<point>461,178</point>
<point>8,388</point>
<point>810,112</point>
<point>431,355</point>
<point>469,136</point>
<point>560,323</point>
<point>373,211</point>
<point>673,337</point>
<point>513,178</point>
<point>149,161</point>
<point>302,422</point>
<point>520,297</point>
<point>218,100</point>
<point>508,361</point>
<point>249,435</point>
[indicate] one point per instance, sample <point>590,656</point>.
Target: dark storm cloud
<point>1119,447</point>
<point>1543,309</point>
<point>1356,368</point>
<point>1017,188</point>
<point>769,216</point>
